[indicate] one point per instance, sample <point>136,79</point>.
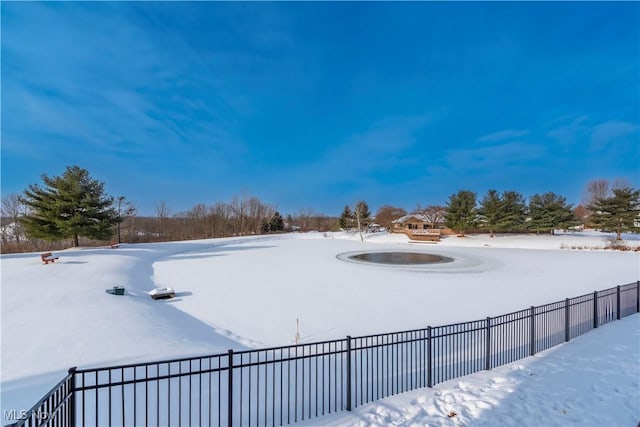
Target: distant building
<point>416,227</point>
<point>375,228</point>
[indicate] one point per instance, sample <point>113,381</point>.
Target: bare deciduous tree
<point>126,212</point>
<point>163,212</point>
<point>434,215</point>
<point>581,213</point>
<point>12,209</point>
<point>196,222</point>
<point>387,214</point>
<point>220,219</point>
<point>596,190</point>
<point>239,209</point>
<point>257,212</point>
<point>247,214</point>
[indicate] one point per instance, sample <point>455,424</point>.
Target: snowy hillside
<point>249,292</point>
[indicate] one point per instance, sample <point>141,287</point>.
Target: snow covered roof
<point>418,217</point>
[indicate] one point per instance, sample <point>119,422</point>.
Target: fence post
<point>532,317</point>
<point>230,400</point>
<point>595,309</point>
<point>487,339</point>
<point>567,323</point>
<point>618,302</point>
<point>348,372</point>
<point>429,377</point>
<point>72,401</point>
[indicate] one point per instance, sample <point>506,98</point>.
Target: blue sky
<point>317,105</point>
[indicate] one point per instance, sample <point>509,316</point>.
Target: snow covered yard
<point>248,292</point>
<point>593,381</point>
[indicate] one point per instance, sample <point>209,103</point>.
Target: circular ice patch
<point>399,258</point>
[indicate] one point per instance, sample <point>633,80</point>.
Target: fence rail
<point>284,385</point>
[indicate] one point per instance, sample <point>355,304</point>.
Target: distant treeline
<point>201,222</point>
<point>73,210</point>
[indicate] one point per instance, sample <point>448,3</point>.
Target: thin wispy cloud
<point>612,132</point>
<point>110,100</point>
<point>496,156</point>
<point>376,149</point>
<point>503,135</point>
<point>568,133</point>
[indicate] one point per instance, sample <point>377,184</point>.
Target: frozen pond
<point>400,258</point>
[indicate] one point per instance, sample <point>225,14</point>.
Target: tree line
<point>608,208</point>
<point>74,209</point>
<point>508,212</point>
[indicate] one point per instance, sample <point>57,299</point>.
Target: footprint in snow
<point>449,398</point>
<point>418,401</point>
<point>464,386</point>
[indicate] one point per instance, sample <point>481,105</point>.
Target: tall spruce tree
<point>69,206</point>
<point>461,211</point>
<point>514,212</point>
<point>618,212</point>
<point>346,218</point>
<point>490,211</point>
<point>549,212</point>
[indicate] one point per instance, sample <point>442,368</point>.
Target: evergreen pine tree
<point>346,218</point>
<point>69,206</point>
<point>617,212</point>
<point>461,211</point>
<point>549,211</point>
<point>513,212</point>
<point>490,211</point>
<point>277,223</point>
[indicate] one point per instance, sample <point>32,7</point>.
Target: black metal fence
<point>283,385</point>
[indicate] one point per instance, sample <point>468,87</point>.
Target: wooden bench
<point>48,257</point>
<point>114,245</point>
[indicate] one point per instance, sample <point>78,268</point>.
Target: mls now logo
<point>22,414</point>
